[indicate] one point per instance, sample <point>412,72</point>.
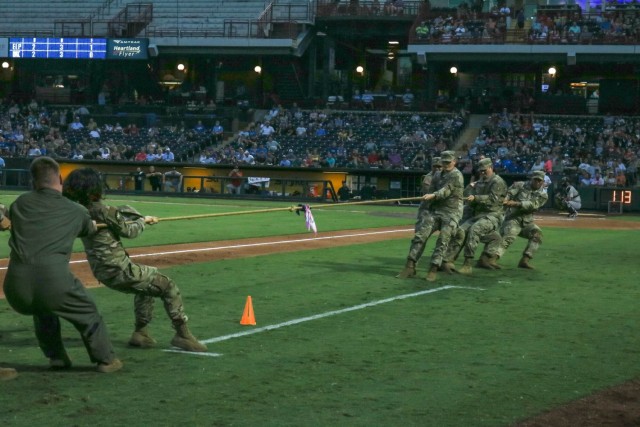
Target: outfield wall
<point>299,183</point>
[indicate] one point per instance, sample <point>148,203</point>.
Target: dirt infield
<point>619,406</point>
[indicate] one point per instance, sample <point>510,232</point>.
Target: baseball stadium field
<point>338,339</point>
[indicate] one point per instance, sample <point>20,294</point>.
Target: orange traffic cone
<point>247,317</point>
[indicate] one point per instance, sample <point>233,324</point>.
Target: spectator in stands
<point>199,127</point>
<point>141,155</point>
<point>368,100</point>
<point>407,99</point>
<point>574,32</point>
<point>610,180</point>
<point>76,124</point>
<point>248,158</point>
<point>218,132</point>
<point>173,180</point>
<point>167,155</point>
<point>597,180</point>
<point>82,111</point>
<point>422,31</point>
<point>621,179</point>
<point>272,145</point>
<point>266,129</point>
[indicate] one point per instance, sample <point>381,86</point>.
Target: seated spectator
<point>199,127</point>
<point>610,180</point>
<point>621,179</point>
<point>368,100</point>
<point>597,180</point>
<point>407,100</point>
<point>76,124</point>
<point>422,31</point>
<point>141,155</point>
<point>167,155</point>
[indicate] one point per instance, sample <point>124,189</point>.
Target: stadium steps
<point>469,135</point>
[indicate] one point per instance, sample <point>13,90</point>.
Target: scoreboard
<point>65,48</point>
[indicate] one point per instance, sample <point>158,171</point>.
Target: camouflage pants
<point>146,283</point>
<point>513,228</point>
<point>426,225</point>
<point>471,233</point>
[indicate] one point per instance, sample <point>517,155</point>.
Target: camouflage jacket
<point>489,195</point>
<point>531,201</point>
<point>427,180</point>
<point>105,252</point>
<point>448,188</point>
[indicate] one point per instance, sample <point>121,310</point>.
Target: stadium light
<point>181,67</point>
<point>5,65</point>
<point>552,71</point>
<point>258,69</point>
<point>360,69</point>
<point>453,70</point>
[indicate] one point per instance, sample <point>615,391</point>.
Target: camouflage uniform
<point>112,266</point>
<point>441,213</point>
<point>487,213</point>
<point>519,220</point>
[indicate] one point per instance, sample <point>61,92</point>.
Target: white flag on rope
<point>311,223</point>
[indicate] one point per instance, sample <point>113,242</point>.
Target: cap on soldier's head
<point>447,156</point>
<point>436,161</point>
<point>484,164</point>
<point>538,175</point>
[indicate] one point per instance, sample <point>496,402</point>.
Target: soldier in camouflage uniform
<point>523,199</point>
<point>487,213</point>
<point>441,209</point>
<point>436,168</point>
<point>112,266</point>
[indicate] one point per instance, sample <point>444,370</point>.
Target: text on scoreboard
<point>47,47</point>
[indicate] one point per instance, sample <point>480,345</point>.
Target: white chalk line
<point>332,313</point>
<point>250,245</point>
<point>193,353</point>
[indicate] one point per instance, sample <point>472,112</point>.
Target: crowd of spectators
<point>466,26</point>
<point>32,130</point>
<point>328,138</point>
<point>588,150</point>
<point>591,150</point>
<point>287,137</point>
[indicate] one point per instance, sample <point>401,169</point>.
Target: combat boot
<point>141,338</point>
<point>107,368</point>
<point>185,340</point>
<point>7,374</point>
<point>466,267</point>
<point>432,274</point>
<point>408,271</point>
<point>493,262</point>
<point>524,262</point>
<point>484,262</point>
<point>447,267</point>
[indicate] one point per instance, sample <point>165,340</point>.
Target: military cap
<point>436,162</point>
<point>484,164</point>
<point>538,175</point>
<point>447,156</point>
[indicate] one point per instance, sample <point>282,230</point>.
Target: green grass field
<point>350,344</point>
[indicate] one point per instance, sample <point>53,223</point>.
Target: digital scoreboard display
<point>64,48</point>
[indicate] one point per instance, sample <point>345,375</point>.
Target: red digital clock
<point>621,196</point>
